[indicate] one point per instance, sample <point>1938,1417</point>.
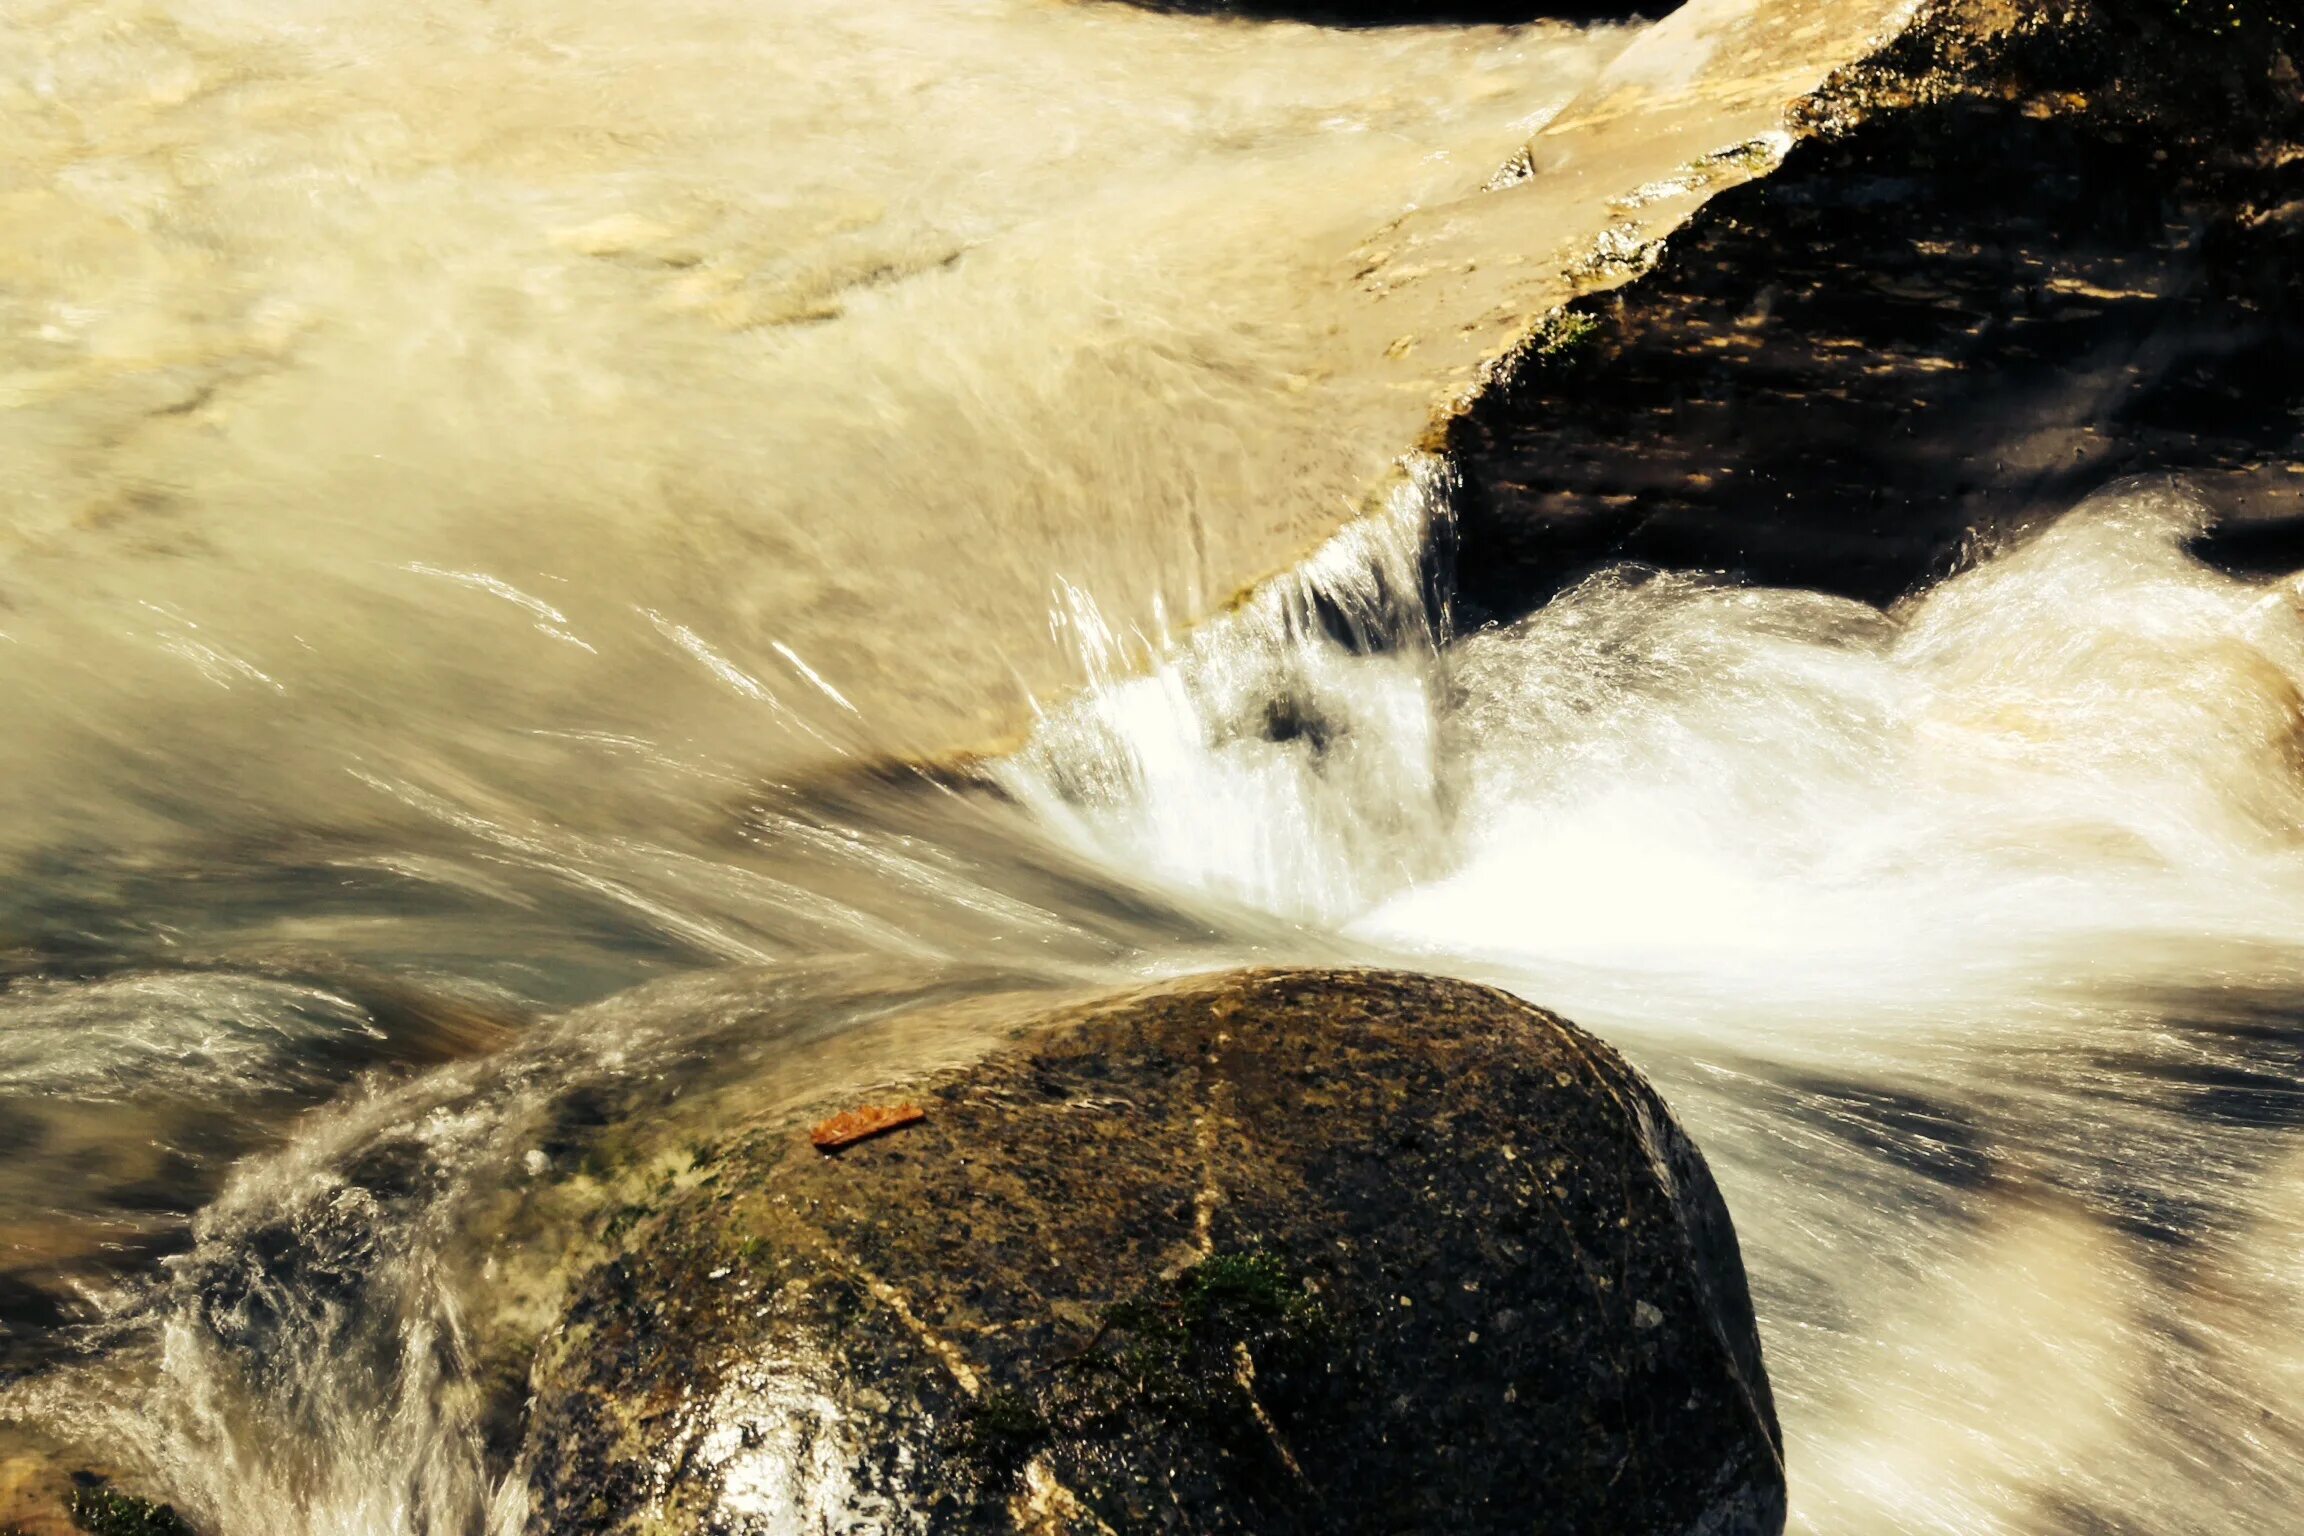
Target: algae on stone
<point>1290,1253</point>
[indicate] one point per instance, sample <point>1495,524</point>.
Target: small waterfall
<point>1961,933</point>
<point>465,733</point>
<point>1283,757</point>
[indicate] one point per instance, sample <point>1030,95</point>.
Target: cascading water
<point>1966,937</point>
<point>452,714</point>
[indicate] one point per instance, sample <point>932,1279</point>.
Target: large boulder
<point>2017,254</point>
<point>1269,1252</point>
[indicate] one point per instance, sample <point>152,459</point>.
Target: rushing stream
<point>452,714</point>
<point>1966,937</point>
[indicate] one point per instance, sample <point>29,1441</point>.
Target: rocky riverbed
<point>1847,297</point>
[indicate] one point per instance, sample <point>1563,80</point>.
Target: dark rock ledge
<point>1266,1252</point>
<point>1418,13</point>
<point>2024,251</point>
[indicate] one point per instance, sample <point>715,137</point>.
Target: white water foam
<point>1968,936</point>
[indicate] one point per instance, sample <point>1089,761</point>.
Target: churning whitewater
<point>1959,934</point>
<point>1956,932</point>
<point>445,636</point>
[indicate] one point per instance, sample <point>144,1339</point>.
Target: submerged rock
<point>1272,1251</point>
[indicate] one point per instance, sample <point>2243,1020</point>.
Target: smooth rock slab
<point>1269,1252</point>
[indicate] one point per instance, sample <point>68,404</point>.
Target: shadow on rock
<point>1408,13</point>
<point>2007,263</point>
<point>1271,1252</point>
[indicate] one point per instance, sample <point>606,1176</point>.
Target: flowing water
<point>453,639</point>
<point>1968,938</point>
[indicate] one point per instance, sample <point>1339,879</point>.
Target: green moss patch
<point>1564,342</point>
<point>1207,1356</point>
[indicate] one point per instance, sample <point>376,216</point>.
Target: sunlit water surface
<point>443,455</point>
<point>1968,937</point>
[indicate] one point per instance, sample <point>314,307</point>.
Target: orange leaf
<point>854,1125</point>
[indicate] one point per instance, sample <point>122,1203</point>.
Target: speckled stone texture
<point>1419,13</point>
<point>1264,1252</point>
<point>2022,253</point>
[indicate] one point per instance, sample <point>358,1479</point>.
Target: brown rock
<point>1268,1252</point>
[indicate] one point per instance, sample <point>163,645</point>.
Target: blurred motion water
<point>498,495</point>
<point>1967,937</point>
<point>495,494</point>
<point>597,374</point>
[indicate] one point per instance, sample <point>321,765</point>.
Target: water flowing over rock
<point>513,560</point>
<point>1274,1251</point>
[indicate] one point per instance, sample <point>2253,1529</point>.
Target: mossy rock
<point>1268,1252</point>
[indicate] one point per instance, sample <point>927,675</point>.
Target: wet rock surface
<point>1411,13</point>
<point>1275,1251</point>
<point>2021,253</point>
